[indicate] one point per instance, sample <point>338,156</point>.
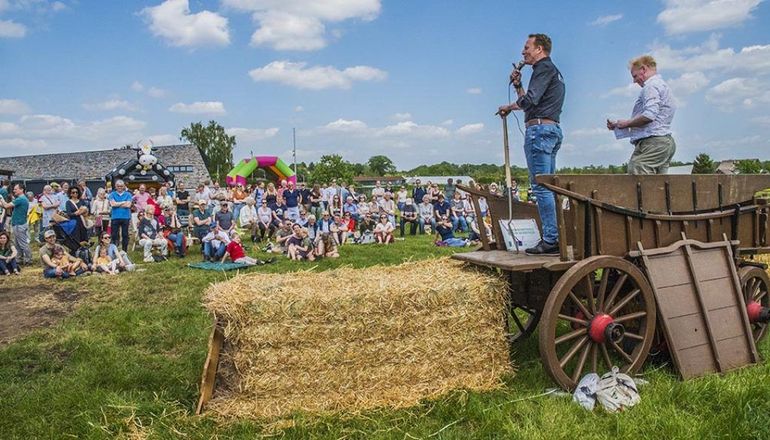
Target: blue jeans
<point>421,222</point>
<point>8,266</point>
<point>120,230</point>
<point>459,221</point>
<point>178,240</point>
<point>213,253</point>
<point>541,144</point>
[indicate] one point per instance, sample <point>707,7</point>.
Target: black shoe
<point>543,248</point>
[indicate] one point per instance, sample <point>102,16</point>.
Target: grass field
<point>126,361</point>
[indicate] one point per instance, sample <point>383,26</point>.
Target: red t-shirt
<point>235,250</point>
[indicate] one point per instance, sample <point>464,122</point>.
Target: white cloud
<point>8,128</point>
<point>251,135</point>
<point>199,107</point>
<point>736,92</point>
<point>155,92</point>
<point>606,19</point>
<point>137,86</point>
<point>470,129</point>
<point>688,83</point>
<point>13,107</point>
<point>448,122</point>
<point>683,16</point>
<point>409,128</point>
<point>709,56</point>
<point>164,139</point>
<point>173,22</point>
<point>590,132</point>
<point>58,6</point>
<point>401,116</point>
<point>109,105</point>
<point>299,109</point>
<point>627,91</point>
<point>11,29</point>
<point>762,120</point>
<point>473,91</point>
<point>299,24</point>
<point>315,78</point>
<point>346,126</point>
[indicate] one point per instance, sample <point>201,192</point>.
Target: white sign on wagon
<point>520,234</point>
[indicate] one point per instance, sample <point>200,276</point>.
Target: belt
<point>650,137</point>
<point>540,121</point>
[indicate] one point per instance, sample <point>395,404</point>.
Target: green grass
<point>127,363</point>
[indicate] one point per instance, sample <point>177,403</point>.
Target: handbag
<point>60,217</point>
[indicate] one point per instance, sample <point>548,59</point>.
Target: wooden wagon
<point>594,303</point>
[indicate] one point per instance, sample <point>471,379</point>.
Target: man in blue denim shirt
<point>542,104</point>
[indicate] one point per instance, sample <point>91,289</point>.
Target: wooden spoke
<point>622,353</point>
<point>582,362</point>
<point>580,305</point>
<point>573,319</point>
<point>602,293</point>
<point>761,295</point>
<point>631,316</point>
<point>606,356</point>
<point>572,351</point>
<point>595,358</point>
<point>625,301</point>
<point>571,335</point>
<point>615,290</point>
<point>634,336</point>
<point>588,285</point>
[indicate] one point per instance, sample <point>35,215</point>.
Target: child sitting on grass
<point>65,262</point>
<point>103,262</point>
<point>235,251</point>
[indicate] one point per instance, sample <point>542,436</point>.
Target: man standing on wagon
<point>541,103</point>
<point>649,128</point>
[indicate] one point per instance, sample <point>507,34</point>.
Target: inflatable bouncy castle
<point>275,168</point>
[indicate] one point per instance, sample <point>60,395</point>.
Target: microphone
<point>517,67</point>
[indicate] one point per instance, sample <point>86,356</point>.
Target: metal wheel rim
<point>644,326</point>
<point>754,284</point>
<point>517,328</point>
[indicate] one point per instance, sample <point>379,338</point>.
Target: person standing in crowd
<point>86,194</point>
<point>50,204</point>
<point>19,224</point>
<point>120,215</point>
<point>100,209</point>
<point>378,191</point>
<point>239,195</point>
<point>182,201</point>
<point>649,128</point>
<point>449,189</point>
<point>63,195</point>
<point>542,105</point>
<point>292,198</point>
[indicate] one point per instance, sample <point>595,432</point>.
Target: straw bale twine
<point>353,339</point>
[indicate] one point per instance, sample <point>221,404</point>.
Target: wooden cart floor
<point>512,261</point>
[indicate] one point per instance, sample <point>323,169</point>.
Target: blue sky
<point>417,81</point>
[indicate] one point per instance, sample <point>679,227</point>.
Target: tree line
<point>216,147</point>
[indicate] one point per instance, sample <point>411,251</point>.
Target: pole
<point>507,155</point>
<point>294,142</point>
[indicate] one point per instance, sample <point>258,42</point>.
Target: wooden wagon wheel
<point>522,321</point>
<point>600,313</point>
<point>755,283</point>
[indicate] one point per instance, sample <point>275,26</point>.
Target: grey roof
<point>96,164</point>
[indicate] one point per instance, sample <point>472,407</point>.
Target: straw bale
<point>354,339</point>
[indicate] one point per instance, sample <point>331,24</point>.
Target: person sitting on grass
<point>115,254</point>
<point>326,247</point>
<point>383,232</point>
<point>8,255</point>
<point>458,213</point>
<point>445,234</point>
<point>312,227</point>
<point>282,236</point>
<point>215,243</point>
<point>149,235</point>
<point>409,215</point>
<point>235,251</point>
<point>340,230</point>
<point>67,264</point>
<point>50,268</point>
<point>350,225</point>
<point>104,264</point>
<point>426,216</point>
<point>299,247</point>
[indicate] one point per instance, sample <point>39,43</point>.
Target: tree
<point>215,146</point>
<point>330,167</point>
<point>381,165</point>
<point>748,166</point>
<point>704,165</point>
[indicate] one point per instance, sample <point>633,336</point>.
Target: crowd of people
<point>300,221</point>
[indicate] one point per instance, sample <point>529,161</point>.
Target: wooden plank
<point>512,261</point>
<point>701,306</point>
<point>708,192</point>
<point>209,375</point>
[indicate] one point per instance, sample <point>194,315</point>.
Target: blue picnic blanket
<point>209,265</point>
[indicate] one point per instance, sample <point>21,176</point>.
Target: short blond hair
<point>644,60</point>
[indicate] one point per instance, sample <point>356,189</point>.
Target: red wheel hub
<point>754,309</point>
<point>599,324</point>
